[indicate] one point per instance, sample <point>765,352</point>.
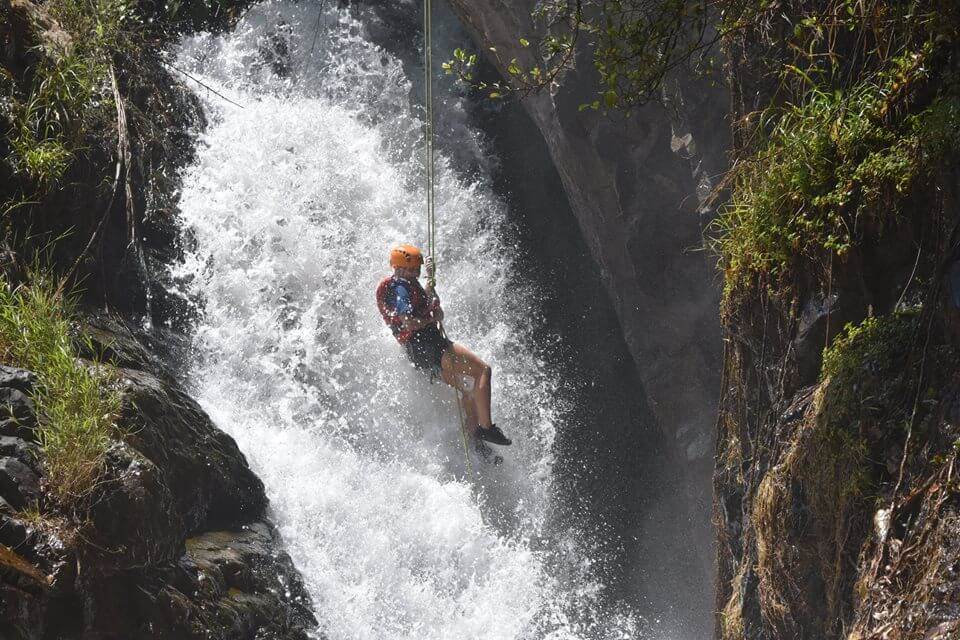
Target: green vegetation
<point>865,112</point>
<point>862,108</point>
<point>867,361</point>
<point>635,44</point>
<point>837,163</point>
<point>871,373</point>
<point>836,462</point>
<point>75,402</point>
<point>67,94</point>
<point>79,55</point>
<point>85,102</point>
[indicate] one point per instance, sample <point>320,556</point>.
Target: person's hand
<point>431,280</point>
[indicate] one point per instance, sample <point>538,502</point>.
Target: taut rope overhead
<point>429,169</point>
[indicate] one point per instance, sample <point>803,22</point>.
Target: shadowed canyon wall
<point>635,185</point>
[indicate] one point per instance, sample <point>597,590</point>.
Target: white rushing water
<point>297,193</point>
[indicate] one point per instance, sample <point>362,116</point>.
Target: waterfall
<point>309,168</point>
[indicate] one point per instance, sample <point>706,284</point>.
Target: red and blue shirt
<point>399,298</point>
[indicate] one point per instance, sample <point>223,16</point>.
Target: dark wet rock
<point>17,378</point>
<point>17,411</point>
<point>23,450</point>
<point>113,340</point>
<point>19,485</point>
<point>23,429</point>
<point>134,511</point>
<point>812,333</point>
<point>15,533</point>
<point>209,478</point>
<point>227,585</point>
<point>246,580</point>
<point>16,405</point>
<point>171,544</point>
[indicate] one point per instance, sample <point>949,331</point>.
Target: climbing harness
<point>431,211</point>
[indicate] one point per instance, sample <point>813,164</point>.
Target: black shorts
<point>426,347</point>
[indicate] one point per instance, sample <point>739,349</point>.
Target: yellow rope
<point>431,210</point>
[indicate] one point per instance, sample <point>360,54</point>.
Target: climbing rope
<point>428,135</point>
<point>431,210</point>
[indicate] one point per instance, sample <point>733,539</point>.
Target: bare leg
<point>458,363</point>
<point>467,405</point>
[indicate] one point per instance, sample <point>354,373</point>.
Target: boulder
<point>19,485</point>
<point>23,429</point>
<point>23,450</point>
<point>249,575</point>
<point>16,405</point>
<point>18,415</point>
<point>134,512</point>
<point>228,585</point>
<point>208,476</point>
<point>112,340</point>
<point>17,378</point>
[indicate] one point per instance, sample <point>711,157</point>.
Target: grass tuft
<point>75,402</point>
<point>68,94</point>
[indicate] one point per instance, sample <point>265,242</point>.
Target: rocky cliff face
<point>836,487</point>
<point>636,199</point>
<point>634,184</point>
<point>174,541</point>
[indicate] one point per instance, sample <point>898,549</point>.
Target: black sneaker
<point>493,435</point>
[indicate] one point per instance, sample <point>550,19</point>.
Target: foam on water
<point>291,206</point>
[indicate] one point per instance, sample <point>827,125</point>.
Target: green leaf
<point>610,98</point>
<point>524,42</point>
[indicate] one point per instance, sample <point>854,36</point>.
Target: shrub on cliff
<point>74,400</point>
<point>836,165</point>
<point>94,126</point>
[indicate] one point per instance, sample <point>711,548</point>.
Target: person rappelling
<point>414,314</point>
<point>415,317</point>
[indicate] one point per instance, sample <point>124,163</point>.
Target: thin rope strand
<point>429,168</point>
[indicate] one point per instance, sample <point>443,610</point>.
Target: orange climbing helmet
<point>406,256</point>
